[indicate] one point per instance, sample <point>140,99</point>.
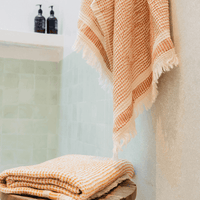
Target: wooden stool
<point>127,190</point>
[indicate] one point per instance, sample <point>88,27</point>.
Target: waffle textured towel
<point>128,42</point>
<point>67,177</point>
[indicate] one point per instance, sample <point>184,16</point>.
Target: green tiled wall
<point>86,118</point>
<point>86,122</point>
<point>29,110</point>
<point>49,110</point>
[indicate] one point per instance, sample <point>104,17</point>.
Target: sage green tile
<point>91,133</point>
<point>74,112</point>
<point>80,132</point>
<point>53,97</point>
<point>27,67</point>
<point>26,111</point>
<point>100,136</point>
<point>8,156</point>
<point>69,78</point>
<point>39,155</point>
<point>75,75</point>
<point>1,116</point>
<point>80,111</point>
<point>80,93</point>
<point>89,149</point>
<point>26,81</point>
<point>9,141</point>
<point>52,141</point>
<point>41,127</point>
<point>1,65</point>
<point>44,67</point>
<point>64,82</point>
<point>40,97</point>
<point>80,75</point>
<point>55,68</point>
<point>11,96</point>
<point>41,111</point>
<point>26,126</point>
<point>63,94</point>
<point>1,80</point>
<point>41,82</point>
<point>11,80</point>
<point>108,139</point>
<point>74,130</point>
<point>108,112</point>
<point>26,96</point>
<point>68,112</point>
<point>12,65</point>
<point>86,117</point>
<point>74,94</point>
<point>54,82</point>
<point>71,95</point>
<point>39,141</point>
<point>101,111</point>
<point>53,112</point>
<point>62,127</point>
<point>1,96</point>
<point>62,150</point>
<point>101,94</point>
<point>1,124</point>
<point>24,142</point>
<point>10,111</point>
<point>23,157</point>
<point>52,153</point>
<point>52,125</point>
<point>10,126</point>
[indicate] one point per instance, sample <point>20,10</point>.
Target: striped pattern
<point>128,42</point>
<point>67,177</point>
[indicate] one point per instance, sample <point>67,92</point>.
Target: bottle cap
<point>51,12</point>
<point>40,10</point>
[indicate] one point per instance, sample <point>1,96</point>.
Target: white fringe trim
<point>92,60</point>
<point>164,63</point>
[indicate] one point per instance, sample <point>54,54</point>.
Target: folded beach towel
<point>67,177</point>
<point>128,42</point>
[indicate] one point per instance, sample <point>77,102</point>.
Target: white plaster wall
<point>70,19</point>
<point>176,113</point>
<point>19,15</point>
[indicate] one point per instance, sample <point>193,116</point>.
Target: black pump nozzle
<point>51,12</point>
<point>40,10</point>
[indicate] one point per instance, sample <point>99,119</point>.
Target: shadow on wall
<point>166,118</point>
<point>167,113</point>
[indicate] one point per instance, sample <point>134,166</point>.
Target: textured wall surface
<point>29,97</point>
<point>176,113</point>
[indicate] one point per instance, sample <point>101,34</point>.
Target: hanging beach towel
<point>129,43</point>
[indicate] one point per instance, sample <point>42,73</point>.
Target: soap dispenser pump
<point>52,23</point>
<point>39,21</point>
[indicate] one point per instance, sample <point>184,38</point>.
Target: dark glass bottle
<point>52,23</point>
<point>39,21</point>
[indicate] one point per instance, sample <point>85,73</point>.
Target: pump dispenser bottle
<point>52,23</point>
<point>39,21</point>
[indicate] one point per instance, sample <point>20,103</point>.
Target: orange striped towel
<point>128,42</point>
<point>67,177</point>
